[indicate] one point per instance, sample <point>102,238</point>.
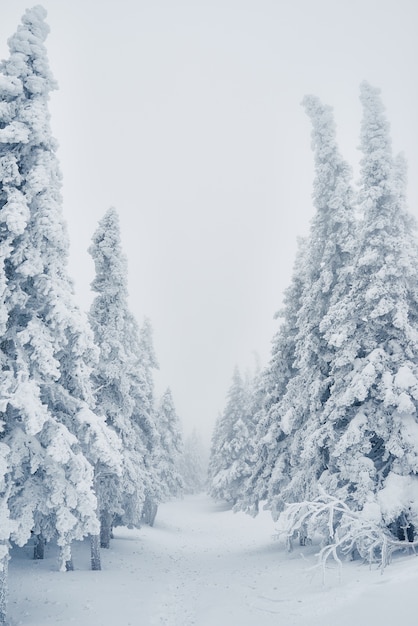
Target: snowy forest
<point>324,438</point>
<point>85,446</point>
<point>327,436</point>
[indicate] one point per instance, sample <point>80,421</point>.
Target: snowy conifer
<point>229,465</point>
<point>269,438</point>
<point>373,454</point>
<point>170,448</point>
<point>120,382</point>
<point>46,349</point>
<point>297,381</point>
<point>328,262</point>
<point>147,361</point>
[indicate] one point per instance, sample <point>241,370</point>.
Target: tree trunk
<point>105,528</point>
<point>3,585</point>
<point>66,559</point>
<point>95,552</point>
<point>69,565</point>
<point>39,548</point>
<point>149,512</point>
<point>153,513</point>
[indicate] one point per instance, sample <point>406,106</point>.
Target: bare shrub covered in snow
<point>344,533</point>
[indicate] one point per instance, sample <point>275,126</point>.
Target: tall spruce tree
<point>46,350</point>
<point>170,448</point>
<point>144,416</point>
<point>328,264</point>
<point>229,465</point>
<point>290,455</point>
<point>120,382</point>
<point>153,487</point>
<point>373,330</point>
<point>270,438</point>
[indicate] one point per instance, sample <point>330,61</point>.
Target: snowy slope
<point>202,565</point>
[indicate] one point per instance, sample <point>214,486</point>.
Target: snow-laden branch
<point>345,533</point>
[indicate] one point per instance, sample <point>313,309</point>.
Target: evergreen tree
<point>170,448</point>
<point>290,454</point>
<point>269,438</point>
<point>154,490</point>
<point>372,409</point>
<point>120,383</point>
<point>328,262</point>
<point>229,464</point>
<point>255,397</point>
<point>46,351</point>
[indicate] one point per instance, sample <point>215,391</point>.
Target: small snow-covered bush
<point>345,533</point>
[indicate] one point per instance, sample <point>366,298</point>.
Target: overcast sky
<point>186,116</point>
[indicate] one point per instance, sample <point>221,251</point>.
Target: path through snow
<point>202,565</point>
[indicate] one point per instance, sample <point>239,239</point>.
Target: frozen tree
<point>120,383</point>
<point>327,270</point>
<point>269,438</point>
<point>169,449</point>
<point>289,454</point>
<point>153,487</point>
<point>255,395</point>
<point>230,460</point>
<point>372,409</point>
<point>297,381</point>
<point>193,464</point>
<point>46,350</point>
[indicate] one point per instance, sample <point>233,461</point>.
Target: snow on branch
<point>345,533</point>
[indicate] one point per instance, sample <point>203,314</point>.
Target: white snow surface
<point>202,565</point>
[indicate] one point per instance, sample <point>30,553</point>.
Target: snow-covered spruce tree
<point>46,349</point>
<point>169,449</point>
<point>372,409</point>
<point>269,438</point>
<point>296,381</point>
<point>255,396</point>
<point>119,381</point>
<point>144,416</point>
<point>153,487</point>
<point>193,464</point>
<point>229,465</point>
<point>328,264</point>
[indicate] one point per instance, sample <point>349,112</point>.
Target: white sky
<point>185,116</point>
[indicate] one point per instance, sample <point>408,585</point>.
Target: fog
<point>186,116</point>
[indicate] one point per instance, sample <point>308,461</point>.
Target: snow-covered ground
<point>202,565</point>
